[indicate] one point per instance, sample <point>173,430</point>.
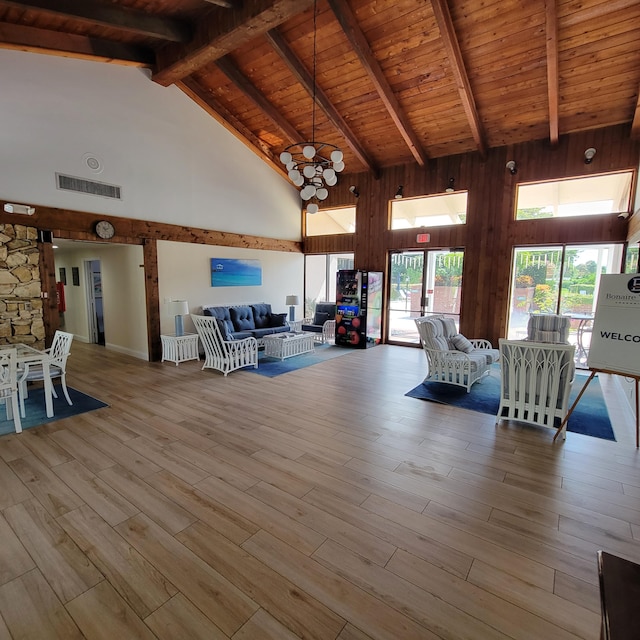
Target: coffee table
<point>287,345</point>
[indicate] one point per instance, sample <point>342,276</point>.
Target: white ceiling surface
<point>174,162</point>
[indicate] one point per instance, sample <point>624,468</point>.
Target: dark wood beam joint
<point>221,32</point>
<point>111,16</point>
<point>23,38</point>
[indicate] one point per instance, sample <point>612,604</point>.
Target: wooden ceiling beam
<point>205,99</point>
<point>23,38</point>
<point>227,4</point>
<point>222,31</point>
<point>359,43</point>
<point>452,47</point>
<point>229,68</point>
<point>551,12</point>
<point>111,16</point>
<point>306,80</point>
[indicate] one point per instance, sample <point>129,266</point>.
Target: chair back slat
<point>8,369</point>
<point>535,382</point>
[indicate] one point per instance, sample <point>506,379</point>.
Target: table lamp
<point>292,301</point>
<point>179,308</point>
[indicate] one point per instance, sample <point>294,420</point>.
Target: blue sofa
<point>244,321</point>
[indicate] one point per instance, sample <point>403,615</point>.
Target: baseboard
<point>129,352</point>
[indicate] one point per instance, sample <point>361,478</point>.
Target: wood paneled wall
<point>491,233</point>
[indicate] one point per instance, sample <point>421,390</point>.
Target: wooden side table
<point>180,348</point>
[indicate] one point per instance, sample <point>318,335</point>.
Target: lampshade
<point>179,308</point>
<point>292,300</point>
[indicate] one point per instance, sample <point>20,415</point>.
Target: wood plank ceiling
<point>397,81</point>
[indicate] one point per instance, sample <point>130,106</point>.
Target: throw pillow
<point>222,325</point>
<point>320,318</point>
<point>278,319</point>
<point>461,343</point>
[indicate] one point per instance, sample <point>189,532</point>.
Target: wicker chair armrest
<point>439,354</point>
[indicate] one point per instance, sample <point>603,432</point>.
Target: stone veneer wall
<point>21,309</point>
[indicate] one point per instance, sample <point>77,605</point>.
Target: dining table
<point>27,356</point>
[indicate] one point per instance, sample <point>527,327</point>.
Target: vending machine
<point>358,308</point>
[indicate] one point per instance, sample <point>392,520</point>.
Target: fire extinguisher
<point>62,307</point>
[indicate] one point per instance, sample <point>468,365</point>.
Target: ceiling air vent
<point>91,187</point>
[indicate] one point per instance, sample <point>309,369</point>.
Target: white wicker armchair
<point>224,355</point>
<point>536,382</point>
<point>447,362</point>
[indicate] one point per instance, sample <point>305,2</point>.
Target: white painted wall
<point>184,273</point>
<point>123,290</point>
<point>174,162</point>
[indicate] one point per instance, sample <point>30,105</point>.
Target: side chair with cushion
<point>9,386</point>
<point>535,382</point>
<point>549,327</point>
<point>323,322</point>
<point>58,354</point>
<point>452,358</point>
<point>221,351</point>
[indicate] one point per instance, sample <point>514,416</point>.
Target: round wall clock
<point>104,229</point>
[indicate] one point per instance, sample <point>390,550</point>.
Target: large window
<point>593,195</point>
<point>331,221</point>
<point>561,279</point>
<point>320,278</point>
<point>631,262</point>
<point>430,211</point>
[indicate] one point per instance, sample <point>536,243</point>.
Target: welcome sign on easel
<point>615,341</point>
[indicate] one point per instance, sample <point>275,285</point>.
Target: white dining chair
<point>9,386</point>
<point>58,353</point>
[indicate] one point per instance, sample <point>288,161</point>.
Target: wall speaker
<point>45,236</point>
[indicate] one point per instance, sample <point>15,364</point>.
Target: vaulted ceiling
<point>396,81</point>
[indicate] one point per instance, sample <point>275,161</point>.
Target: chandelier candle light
<point>313,165</point>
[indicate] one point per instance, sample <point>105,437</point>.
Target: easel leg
<point>573,406</point>
<point>637,417</point>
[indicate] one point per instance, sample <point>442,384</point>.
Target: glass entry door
<point>422,283</point>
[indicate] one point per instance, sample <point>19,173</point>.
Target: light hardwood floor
<point>321,504</point>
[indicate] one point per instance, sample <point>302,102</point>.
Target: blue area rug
<point>35,409</point>
<point>590,417</point>
<point>272,367</point>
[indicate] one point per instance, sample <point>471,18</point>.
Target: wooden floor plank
<point>313,504</point>
<point>134,578</point>
<point>282,599</point>
<point>61,562</point>
<point>101,614</point>
<point>221,601</point>
<point>32,612</point>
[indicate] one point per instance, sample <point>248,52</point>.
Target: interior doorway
<point>95,309</point>
<point>421,283</point>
